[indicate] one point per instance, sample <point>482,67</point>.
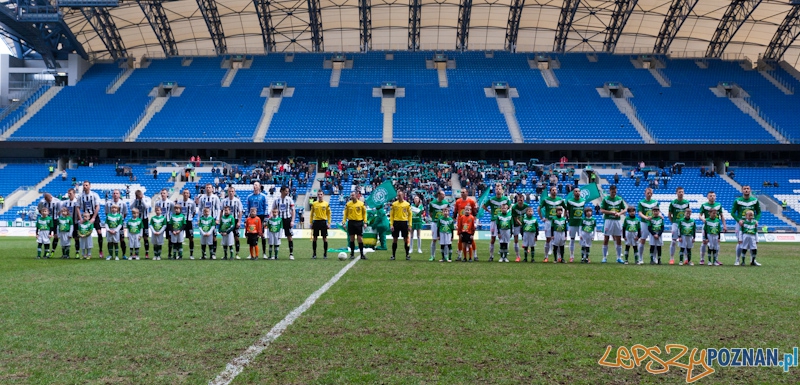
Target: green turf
<point>167,322</point>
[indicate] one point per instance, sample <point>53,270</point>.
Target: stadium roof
<point>339,26</point>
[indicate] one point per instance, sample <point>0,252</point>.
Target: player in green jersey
<point>712,227</point>
<point>749,238</point>
<point>227,227</point>
<point>547,211</point>
<point>64,228</point>
<point>613,209</point>
<point>85,229</point>
<point>493,205</point>
<point>446,224</point>
<point>676,210</point>
<point>645,209</point>
<point>177,221</point>
<point>417,215</point>
<point>530,231</point>
<point>435,210</point>
<point>518,211</point>
<point>134,227</point>
<point>575,206</point>
<point>114,222</point>
<point>632,227</point>
<point>688,229</point>
<point>705,212</point>
<point>504,224</point>
<point>207,224</point>
<point>158,223</point>
<point>274,226</point>
<point>741,205</point>
<point>44,223</point>
<point>588,226</point>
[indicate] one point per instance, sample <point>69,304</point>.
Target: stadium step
<point>32,194</point>
<point>388,108</point>
<point>549,78</point>
<point>455,182</point>
<point>32,110</point>
<point>506,107</point>
<point>781,84</point>
<point>119,80</point>
<point>271,107</point>
<point>336,73</point>
<point>754,112</point>
<point>228,78</point>
<point>441,71</point>
<point>790,70</point>
<point>155,105</point>
<point>626,108</point>
<point>660,77</point>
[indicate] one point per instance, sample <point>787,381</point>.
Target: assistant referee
<point>356,215</point>
<point>320,223</point>
<point>400,221</point>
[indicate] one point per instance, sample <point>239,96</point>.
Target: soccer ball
<point>342,256</point>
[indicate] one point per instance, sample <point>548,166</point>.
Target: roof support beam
<point>211,15</point>
<point>414,16</point>
<point>512,28</point>
<point>154,12</point>
<point>264,13</point>
<point>736,14</point>
<point>568,10</point>
<point>365,24</point>
<point>462,30</point>
<point>103,24</point>
<point>786,34</point>
<point>622,12</point>
<point>315,23</point>
<point>673,21</point>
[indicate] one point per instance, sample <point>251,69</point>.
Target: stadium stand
<point>788,189</point>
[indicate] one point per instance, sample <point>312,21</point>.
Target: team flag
<point>381,195</point>
<point>590,192</point>
<point>482,201</point>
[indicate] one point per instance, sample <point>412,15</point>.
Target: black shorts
<point>252,239</point>
<point>189,229</point>
<point>287,227</point>
<point>465,238</point>
<point>400,228</point>
<point>145,226</point>
<point>355,227</point>
<point>97,225</point>
<point>320,227</point>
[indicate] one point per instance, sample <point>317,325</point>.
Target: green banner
<point>382,194</point>
<point>590,192</point>
<point>482,201</point>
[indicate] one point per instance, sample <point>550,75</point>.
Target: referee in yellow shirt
<point>356,216</point>
<point>320,223</point>
<point>400,222</point>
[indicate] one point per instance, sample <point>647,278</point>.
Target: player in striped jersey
<point>122,210</point>
<point>90,203</point>
<point>235,204</point>
<point>705,212</point>
<point>210,201</point>
<point>73,207</point>
<point>141,203</point>
<point>166,207</point>
<point>189,209</point>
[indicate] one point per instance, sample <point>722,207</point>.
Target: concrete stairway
<point>336,74</point>
<point>155,105</point>
<point>506,107</point>
<point>626,108</point>
<point>32,110</point>
<point>117,83</point>
<point>228,78</point>
<point>660,77</point>
<point>31,194</point>
<point>388,108</point>
<point>752,111</point>
<point>271,106</point>
<point>782,85</point>
<point>441,71</point>
<point>550,78</point>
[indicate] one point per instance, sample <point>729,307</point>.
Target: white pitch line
<point>235,367</point>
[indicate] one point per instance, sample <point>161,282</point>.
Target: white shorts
<point>558,239</point>
<point>113,238</point>
<point>445,238</point>
<point>435,231</point>
<point>676,234</point>
<point>63,238</point>
<point>493,229</point>
<point>574,231</point>
<point>516,231</point>
<point>713,241</point>
<point>687,241</point>
<point>548,225</point>
<point>631,238</point>
<point>86,243</point>
<point>177,238</point>
<point>134,240</point>
<point>612,227</point>
<point>586,238</point>
<point>43,237</point>
<point>645,233</point>
<point>274,239</point>
<point>158,239</point>
<point>656,242</point>
<point>227,239</point>
<point>749,242</point>
<point>529,239</point>
<point>738,232</point>
<point>207,240</point>
<point>504,235</point>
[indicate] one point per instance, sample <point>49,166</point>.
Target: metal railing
<point>639,118</point>
<point>22,108</point>
<point>141,116</point>
<point>663,76</point>
<point>781,80</point>
<point>761,114</point>
<point>116,78</point>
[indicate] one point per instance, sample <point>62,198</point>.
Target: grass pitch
<point>393,322</point>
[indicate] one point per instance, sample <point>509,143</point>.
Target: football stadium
<point>382,192</point>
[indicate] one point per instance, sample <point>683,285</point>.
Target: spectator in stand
<point>616,178</point>
<point>562,161</point>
